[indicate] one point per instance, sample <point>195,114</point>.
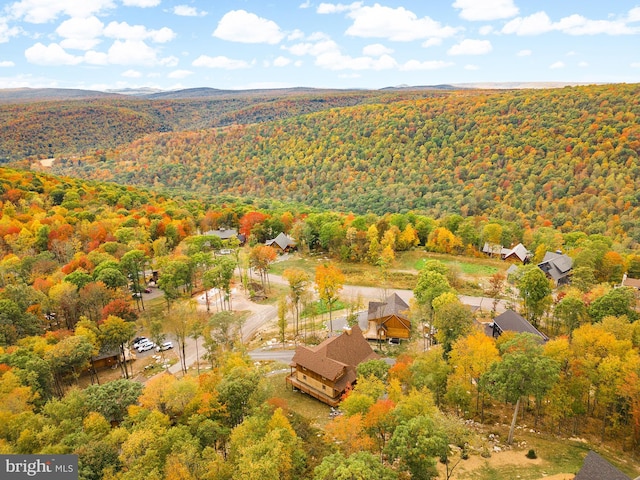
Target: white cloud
<point>486,30</point>
<point>169,61</point>
<point>43,11</point>
<point>314,49</point>
<point>634,15</point>
<point>571,53</point>
<point>534,24</point>
<point>486,9</point>
<point>132,74</point>
<point>51,55</point>
<point>7,32</point>
<point>635,65</point>
<point>141,3</point>
<point>524,53</point>
<point>579,25</point>
<point>124,31</point>
<point>295,35</point>
<point>556,65</point>
<point>413,65</point>
<point>187,11</point>
<point>471,47</point>
<point>540,22</point>
<point>80,33</point>
<point>432,42</point>
<point>336,61</point>
<point>376,50</point>
<point>471,67</point>
<point>281,61</point>
<point>583,64</point>
<point>245,27</point>
<point>298,63</point>
<point>398,24</point>
<point>219,62</point>
<point>7,63</point>
<point>131,52</point>
<point>349,75</point>
<point>180,74</point>
<point>325,8</point>
<point>306,4</point>
<point>96,58</point>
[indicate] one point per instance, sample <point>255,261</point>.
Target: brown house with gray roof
<point>327,370</point>
<point>388,319</point>
<point>283,242</point>
<point>511,321</point>
<point>557,267</point>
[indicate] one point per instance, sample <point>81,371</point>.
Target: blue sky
<point>237,44</point>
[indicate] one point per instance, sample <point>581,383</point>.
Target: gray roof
<point>223,234</point>
<point>519,251</point>
<point>392,305</point>
<point>556,265</point>
<point>512,269</point>
<point>597,468</point>
<point>511,321</point>
<point>282,240</point>
<point>491,248</point>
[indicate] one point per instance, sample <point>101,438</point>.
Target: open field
<point>404,270</point>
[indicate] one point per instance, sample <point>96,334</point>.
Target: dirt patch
<point>471,467</point>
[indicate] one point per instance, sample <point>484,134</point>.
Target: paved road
<point>279,355</point>
<point>353,292</point>
<point>263,314</point>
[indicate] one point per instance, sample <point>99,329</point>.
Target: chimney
<point>347,330</point>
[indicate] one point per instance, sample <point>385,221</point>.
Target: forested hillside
<point>44,129</point>
<point>71,252</point>
<point>565,157</point>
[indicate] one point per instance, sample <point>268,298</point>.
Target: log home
<point>388,319</point>
<point>327,370</point>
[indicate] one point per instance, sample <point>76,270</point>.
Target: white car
<point>139,340</point>
<point>164,346</point>
<point>143,347</point>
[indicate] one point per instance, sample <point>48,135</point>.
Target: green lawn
<point>468,266</point>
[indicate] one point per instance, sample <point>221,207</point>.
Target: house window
<point>304,377</point>
<point>324,387</point>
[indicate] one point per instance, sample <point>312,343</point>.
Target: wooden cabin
<point>327,370</point>
<point>388,319</point>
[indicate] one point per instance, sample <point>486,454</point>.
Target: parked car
<point>225,251</point>
<point>136,295</point>
<point>147,290</point>
<point>164,346</point>
<point>143,347</point>
<point>394,341</point>
<point>138,340</point>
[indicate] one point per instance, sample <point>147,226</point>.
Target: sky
<point>242,44</point>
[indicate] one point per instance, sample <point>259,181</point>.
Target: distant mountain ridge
<point>566,156</point>
<point>18,95</point>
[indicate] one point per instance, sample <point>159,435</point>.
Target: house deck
<point>295,383</point>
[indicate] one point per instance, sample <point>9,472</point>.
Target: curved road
<point>263,314</point>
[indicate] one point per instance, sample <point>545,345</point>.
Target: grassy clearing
<point>466,265</point>
<point>404,270</point>
<point>355,273</point>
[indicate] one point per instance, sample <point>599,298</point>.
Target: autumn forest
<point>119,231</point>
